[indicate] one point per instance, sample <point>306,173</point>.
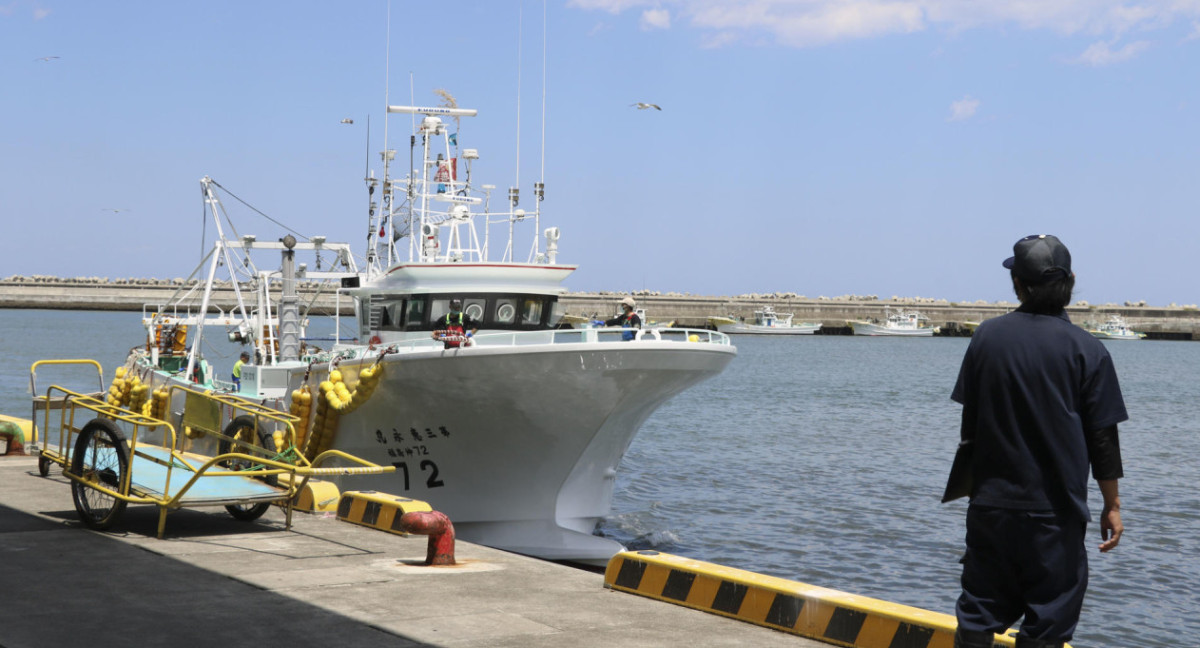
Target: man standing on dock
<point>1041,403</point>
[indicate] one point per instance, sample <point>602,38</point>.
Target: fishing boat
<point>515,430</point>
<point>766,322</point>
<point>897,322</point>
<point>1116,328</point>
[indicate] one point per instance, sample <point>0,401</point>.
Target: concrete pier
<point>214,581</point>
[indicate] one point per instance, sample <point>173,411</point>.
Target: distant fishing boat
<point>898,322</point>
<point>1116,328</point>
<point>766,322</point>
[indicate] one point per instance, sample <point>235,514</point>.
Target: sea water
<point>822,459</point>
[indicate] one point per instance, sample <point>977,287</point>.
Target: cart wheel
<point>243,430</point>
<point>101,457</point>
<point>43,465</point>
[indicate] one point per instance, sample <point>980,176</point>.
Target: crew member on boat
<point>456,327</point>
<point>628,319</point>
<point>237,370</point>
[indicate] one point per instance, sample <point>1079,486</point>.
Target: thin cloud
<point>963,109</point>
<point>39,13</point>
<point>1101,53</point>
<point>611,6</point>
<point>599,28</point>
<point>655,19</point>
<point>812,23</point>
<point>718,40</point>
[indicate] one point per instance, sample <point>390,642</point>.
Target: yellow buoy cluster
<point>280,440</point>
<point>157,407</point>
<point>129,393</point>
<point>301,407</point>
<point>335,399</point>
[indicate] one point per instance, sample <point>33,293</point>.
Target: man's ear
<point>1018,288</point>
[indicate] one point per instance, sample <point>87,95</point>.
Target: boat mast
<point>426,250</point>
<point>289,311</point>
<point>213,204</point>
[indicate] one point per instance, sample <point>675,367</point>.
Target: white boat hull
<point>867,328</point>
<point>1116,336</point>
<point>518,445</point>
<point>756,329</point>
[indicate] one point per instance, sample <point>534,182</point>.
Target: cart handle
<point>33,384</point>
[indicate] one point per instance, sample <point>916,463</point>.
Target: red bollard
<point>13,445</point>
<point>440,531</point>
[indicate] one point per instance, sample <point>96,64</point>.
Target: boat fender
<point>440,530</point>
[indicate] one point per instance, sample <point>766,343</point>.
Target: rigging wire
<point>257,211</point>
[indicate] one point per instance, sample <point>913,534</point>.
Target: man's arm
<point>1110,518</point>
<point>1104,453</point>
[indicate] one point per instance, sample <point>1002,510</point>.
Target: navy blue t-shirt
<point>1031,386</point>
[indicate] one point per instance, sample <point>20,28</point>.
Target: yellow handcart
<point>115,457</point>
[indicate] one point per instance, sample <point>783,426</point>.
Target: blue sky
<point>822,147</point>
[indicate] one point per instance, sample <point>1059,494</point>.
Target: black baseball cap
<point>1039,258</point>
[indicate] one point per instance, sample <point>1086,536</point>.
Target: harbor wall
<point>1166,322</point>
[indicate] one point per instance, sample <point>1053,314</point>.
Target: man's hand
<point>1110,529</point>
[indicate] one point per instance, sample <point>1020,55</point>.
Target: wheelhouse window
<point>473,306</point>
<point>396,314</point>
<point>506,311</point>
<point>498,312</point>
<point>414,314</point>
<point>532,312</point>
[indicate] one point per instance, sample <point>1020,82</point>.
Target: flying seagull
<point>642,106</point>
<point>347,121</point>
<point>46,59</point>
<point>115,211</point>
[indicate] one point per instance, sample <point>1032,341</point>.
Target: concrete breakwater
<point>146,295</point>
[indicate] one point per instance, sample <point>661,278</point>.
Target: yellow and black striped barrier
<point>377,510</point>
<point>316,496</point>
<point>807,610</point>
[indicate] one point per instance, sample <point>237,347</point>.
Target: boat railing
<point>601,335</point>
<point>569,336</point>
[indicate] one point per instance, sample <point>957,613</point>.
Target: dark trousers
<point>1023,563</point>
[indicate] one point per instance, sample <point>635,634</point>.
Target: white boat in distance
<point>766,322</point>
<point>1116,329</point>
<point>515,433</point>
<point>897,322</point>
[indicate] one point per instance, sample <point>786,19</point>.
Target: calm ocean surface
<point>822,459</point>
